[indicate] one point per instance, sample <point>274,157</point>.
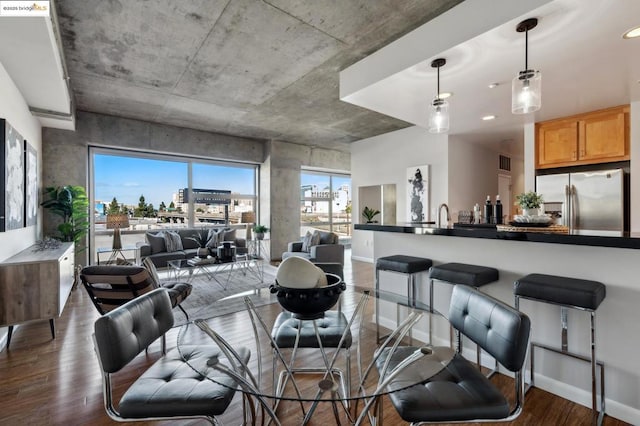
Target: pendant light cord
<point>438,93</point>
<point>526,50</point>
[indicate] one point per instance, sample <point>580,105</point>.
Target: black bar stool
<point>462,273</point>
<point>401,264</point>
<point>571,293</point>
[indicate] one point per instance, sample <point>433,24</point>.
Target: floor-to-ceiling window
<point>150,191</point>
<point>325,203</point>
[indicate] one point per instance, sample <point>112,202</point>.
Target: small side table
<point>114,254</point>
<point>257,248</point>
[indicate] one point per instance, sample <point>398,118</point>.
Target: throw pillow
<point>229,235</point>
<point>315,239</point>
<point>306,242</point>
<point>153,272</point>
<point>173,241</point>
<point>156,241</point>
<point>213,238</point>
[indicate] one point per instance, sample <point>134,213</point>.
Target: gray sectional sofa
<point>155,247</point>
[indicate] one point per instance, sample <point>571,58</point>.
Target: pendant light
<point>526,94</point>
<point>439,117</point>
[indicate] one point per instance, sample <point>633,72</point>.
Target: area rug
<point>204,300</point>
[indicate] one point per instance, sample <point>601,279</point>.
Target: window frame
<point>331,223</point>
<point>178,158</point>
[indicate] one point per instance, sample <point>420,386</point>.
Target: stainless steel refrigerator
<point>589,203</point>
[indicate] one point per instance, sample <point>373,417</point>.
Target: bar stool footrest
<point>584,358</point>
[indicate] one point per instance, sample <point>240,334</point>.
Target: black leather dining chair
<point>460,392</point>
<point>171,388</point>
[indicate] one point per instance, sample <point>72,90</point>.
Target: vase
<point>530,212</point>
<point>203,252</point>
<point>259,235</point>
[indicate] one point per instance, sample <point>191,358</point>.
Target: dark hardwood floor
<point>57,382</point>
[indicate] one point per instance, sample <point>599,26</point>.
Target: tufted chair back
<point>125,332</point>
<point>498,328</point>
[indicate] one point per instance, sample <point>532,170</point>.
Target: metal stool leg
<point>411,301</point>
<point>430,310</point>
<point>598,416</point>
<point>377,306</point>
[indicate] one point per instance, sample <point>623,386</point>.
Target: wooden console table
<point>35,285</point>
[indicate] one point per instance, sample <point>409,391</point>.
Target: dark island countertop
<point>624,240</point>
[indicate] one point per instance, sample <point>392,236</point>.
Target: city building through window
<point>325,203</point>
<point>162,191</point>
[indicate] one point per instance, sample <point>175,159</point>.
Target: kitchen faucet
<point>446,209</point>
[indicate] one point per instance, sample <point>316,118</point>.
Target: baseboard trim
<point>580,396</point>
<point>362,259</point>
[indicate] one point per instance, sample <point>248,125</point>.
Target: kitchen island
<point>614,261</point>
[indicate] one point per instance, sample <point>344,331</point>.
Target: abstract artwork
<point>30,185</point>
<point>12,206</point>
<point>418,193</point>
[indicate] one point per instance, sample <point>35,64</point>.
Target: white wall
<point>529,157</point>
<point>384,159</point>
<point>473,174</point>
<point>15,110</point>
<point>517,180</point>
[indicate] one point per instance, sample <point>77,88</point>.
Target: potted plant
<point>201,238</point>
<point>369,214</point>
<point>71,203</point>
<point>529,202</point>
<point>260,230</point>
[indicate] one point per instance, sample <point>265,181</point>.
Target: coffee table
<point>220,272</point>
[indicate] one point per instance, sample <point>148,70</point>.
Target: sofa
<point>157,241</point>
<point>319,247</point>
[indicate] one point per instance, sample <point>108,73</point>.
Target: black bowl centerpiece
<point>309,303</point>
<point>306,290</point>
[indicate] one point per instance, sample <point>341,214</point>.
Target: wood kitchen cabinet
<point>35,285</point>
<point>591,138</point>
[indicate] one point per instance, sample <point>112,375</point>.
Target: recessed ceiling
<point>578,46</point>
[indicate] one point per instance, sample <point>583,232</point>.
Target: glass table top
<point>403,359</point>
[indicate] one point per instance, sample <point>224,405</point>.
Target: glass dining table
<point>398,361</point>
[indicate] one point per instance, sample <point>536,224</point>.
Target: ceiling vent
<point>505,163</point>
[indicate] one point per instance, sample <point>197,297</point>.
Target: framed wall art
<point>12,205</point>
<point>418,193</point>
<point>30,185</point>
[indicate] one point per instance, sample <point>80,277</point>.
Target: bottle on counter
<point>488,210</point>
<point>497,211</point>
<point>477,217</point>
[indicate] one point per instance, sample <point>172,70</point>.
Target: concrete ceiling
<point>263,69</point>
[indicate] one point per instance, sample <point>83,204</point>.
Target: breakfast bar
<point>613,261</point>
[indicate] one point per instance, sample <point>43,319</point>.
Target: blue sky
<point>126,178</point>
<point>323,180</point>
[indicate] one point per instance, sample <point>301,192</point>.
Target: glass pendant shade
<point>439,117</point>
<point>526,91</point>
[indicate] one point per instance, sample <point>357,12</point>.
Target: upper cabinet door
<point>557,143</point>
<point>604,136</point>
<point>591,138</point>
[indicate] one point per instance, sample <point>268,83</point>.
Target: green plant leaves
<point>71,203</point>
<point>369,214</point>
